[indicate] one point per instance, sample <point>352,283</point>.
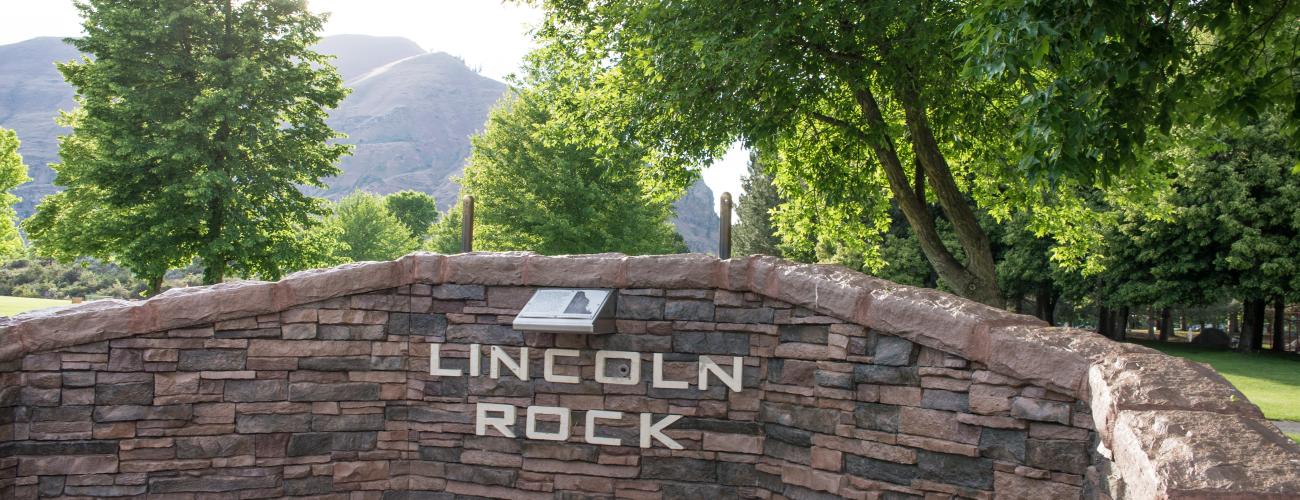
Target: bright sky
<point>491,36</point>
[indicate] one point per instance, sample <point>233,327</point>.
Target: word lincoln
<point>502,417</point>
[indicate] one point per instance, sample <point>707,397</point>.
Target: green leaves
<point>367,230</point>
<point>197,123</point>
<point>415,210</point>
<point>12,173</point>
<point>1102,80</point>
<point>541,184</point>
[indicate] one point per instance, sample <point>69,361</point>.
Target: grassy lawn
<point>1268,380</point>
<point>10,306</point>
<point>1294,437</point>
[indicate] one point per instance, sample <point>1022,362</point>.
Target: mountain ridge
<point>410,117</point>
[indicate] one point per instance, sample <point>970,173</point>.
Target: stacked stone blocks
<point>332,397</point>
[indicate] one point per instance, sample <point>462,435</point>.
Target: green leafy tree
<point>417,211</point>
<point>198,122</point>
<point>12,173</point>
<point>1231,230</point>
<point>1104,83</point>
<point>868,105</point>
<point>539,187</point>
<point>444,235</point>
<point>367,230</point>
<point>755,233</point>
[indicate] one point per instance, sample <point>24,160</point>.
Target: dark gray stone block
<point>679,469</point>
<point>485,334</point>
<point>877,417</point>
<point>211,359</point>
<point>821,420</point>
<point>893,351</point>
<point>744,315</point>
<point>640,307</point>
<point>734,344</point>
<point>688,310</point>
<point>886,375</point>
<point>479,474</point>
<point>1003,444</point>
<point>342,391</point>
<point>945,400</point>
<point>265,423</point>
<point>880,470</point>
<point>246,391</point>
<point>809,334</point>
<point>1057,455</point>
<point>363,422</point>
<point>956,469</point>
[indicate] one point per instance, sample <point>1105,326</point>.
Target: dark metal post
<point>724,227</point>
<point>467,224</point>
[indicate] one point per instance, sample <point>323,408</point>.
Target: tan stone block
<point>945,383</point>
<point>167,384</point>
<point>991,421</point>
<point>735,443</point>
<point>59,465</point>
<point>583,483</point>
<point>1013,487</point>
<point>160,355</point>
<point>827,459</point>
<point>813,352</point>
<point>991,399</point>
<point>115,430</point>
<point>349,472</point>
<point>351,317</point>
<point>1042,430</point>
<point>938,445</point>
<point>871,449</point>
<point>305,348</point>
<point>583,468</point>
<point>936,424</point>
<point>811,478</point>
<point>900,395</point>
<point>489,458</point>
<point>479,490</point>
<point>229,375</point>
<point>284,363</point>
<point>304,315</point>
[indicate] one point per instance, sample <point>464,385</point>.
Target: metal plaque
<point>567,310</point>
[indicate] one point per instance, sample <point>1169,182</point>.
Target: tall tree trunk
<point>1045,302</point>
<point>970,235</point>
<point>1105,322</point>
<point>1121,323</point>
<point>1252,322</point>
<point>1166,324</point>
<point>153,285</point>
<point>214,264</point>
<point>1279,325</point>
<point>975,282</point>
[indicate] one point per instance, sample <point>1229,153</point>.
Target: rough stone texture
<point>318,385</point>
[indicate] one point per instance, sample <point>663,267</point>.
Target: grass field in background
<point>1269,380</point>
<point>1294,437</point>
<point>10,306</point>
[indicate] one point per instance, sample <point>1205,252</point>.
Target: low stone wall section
<point>319,384</point>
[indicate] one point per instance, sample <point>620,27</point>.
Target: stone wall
<point>851,386</point>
